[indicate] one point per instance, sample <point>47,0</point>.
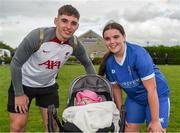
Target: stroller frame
<point>52,113</point>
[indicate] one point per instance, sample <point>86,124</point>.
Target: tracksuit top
<point>36,66</point>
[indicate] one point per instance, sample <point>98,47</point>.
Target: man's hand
<point>21,103</point>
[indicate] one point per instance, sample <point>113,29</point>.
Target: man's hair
<point>68,10</point>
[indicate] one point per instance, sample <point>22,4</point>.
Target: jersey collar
<point>124,55</point>
<point>59,41</point>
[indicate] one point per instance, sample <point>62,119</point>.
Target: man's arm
<point>26,48</point>
<point>82,56</point>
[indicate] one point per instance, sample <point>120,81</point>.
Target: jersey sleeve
<point>26,48</point>
<point>144,65</point>
<point>109,74</point>
<point>80,53</point>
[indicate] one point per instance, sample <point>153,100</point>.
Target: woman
<point>129,67</point>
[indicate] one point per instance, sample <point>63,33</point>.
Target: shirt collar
<point>59,41</point>
<point>124,55</point>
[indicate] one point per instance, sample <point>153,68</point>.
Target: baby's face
<point>86,100</point>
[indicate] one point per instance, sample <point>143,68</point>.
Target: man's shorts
<point>137,113</point>
<point>44,96</point>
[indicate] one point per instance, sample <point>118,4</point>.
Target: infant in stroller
<point>86,97</point>
<point>90,107</point>
<point>96,113</point>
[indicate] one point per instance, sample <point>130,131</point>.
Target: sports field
<point>67,74</point>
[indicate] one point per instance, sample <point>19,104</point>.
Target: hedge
<point>173,58</point>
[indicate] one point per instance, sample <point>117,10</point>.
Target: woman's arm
<point>155,125</point>
<point>117,93</point>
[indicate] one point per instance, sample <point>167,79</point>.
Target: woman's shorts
<point>138,113</point>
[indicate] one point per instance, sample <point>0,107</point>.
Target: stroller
<point>96,84</point>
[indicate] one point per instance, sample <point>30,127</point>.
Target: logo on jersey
<point>45,51</point>
<point>131,84</point>
<point>51,64</point>
<point>113,71</point>
<point>67,55</point>
<point>161,120</point>
<point>129,70</point>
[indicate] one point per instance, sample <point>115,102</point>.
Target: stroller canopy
<point>92,82</point>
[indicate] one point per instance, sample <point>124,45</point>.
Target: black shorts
<point>44,96</point>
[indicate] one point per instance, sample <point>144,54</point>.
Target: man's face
<point>65,26</point>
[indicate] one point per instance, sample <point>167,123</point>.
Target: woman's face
<point>114,40</point>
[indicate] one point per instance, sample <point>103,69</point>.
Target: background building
<point>93,43</point>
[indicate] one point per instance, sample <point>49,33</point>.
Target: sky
<point>146,22</point>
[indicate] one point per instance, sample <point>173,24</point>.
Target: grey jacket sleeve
<point>26,48</point>
<point>82,56</point>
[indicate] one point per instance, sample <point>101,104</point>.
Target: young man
<point>36,64</point>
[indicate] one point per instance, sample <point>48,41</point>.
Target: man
<point>35,66</point>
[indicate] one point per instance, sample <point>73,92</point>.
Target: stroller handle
<point>122,116</point>
<point>52,114</point>
<point>50,118</point>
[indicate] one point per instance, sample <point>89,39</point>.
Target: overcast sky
<point>153,21</point>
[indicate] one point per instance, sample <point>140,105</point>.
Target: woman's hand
<point>155,126</point>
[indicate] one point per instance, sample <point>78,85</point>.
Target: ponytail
<point>102,67</point>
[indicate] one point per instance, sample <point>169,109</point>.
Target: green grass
<point>67,74</point>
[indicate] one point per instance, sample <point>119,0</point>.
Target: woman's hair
<point>102,67</point>
<point>114,25</point>
<point>68,10</point>
<point>110,25</point>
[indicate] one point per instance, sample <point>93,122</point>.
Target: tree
<point>5,46</point>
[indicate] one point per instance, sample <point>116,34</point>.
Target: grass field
<point>65,78</point>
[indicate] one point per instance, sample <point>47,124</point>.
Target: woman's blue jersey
<point>136,66</point>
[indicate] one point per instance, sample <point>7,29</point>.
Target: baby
<point>86,97</point>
